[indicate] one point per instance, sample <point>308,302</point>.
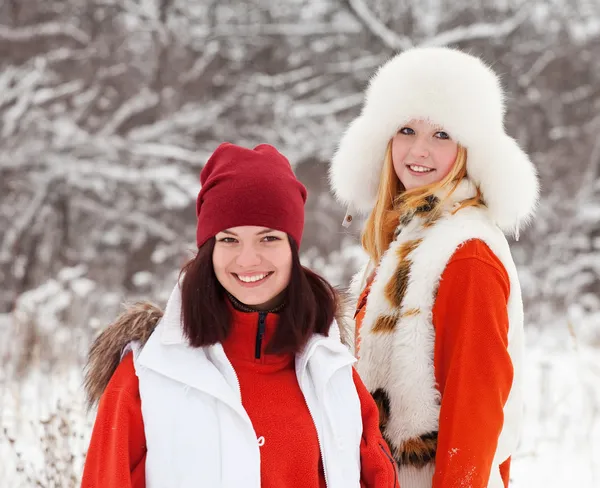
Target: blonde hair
<point>393,200</point>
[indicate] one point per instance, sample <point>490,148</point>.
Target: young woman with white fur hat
<point>439,317</point>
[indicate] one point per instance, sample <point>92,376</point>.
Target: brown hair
<point>310,304</point>
<point>394,200</point>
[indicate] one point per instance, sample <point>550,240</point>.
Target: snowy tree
<point>110,108</point>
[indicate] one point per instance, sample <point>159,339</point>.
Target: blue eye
<point>442,135</point>
<point>407,131</point>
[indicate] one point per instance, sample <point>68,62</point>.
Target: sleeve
<point>378,468</point>
<point>473,369</point>
<point>117,450</point>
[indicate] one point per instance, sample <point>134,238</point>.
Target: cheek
<point>446,159</point>
<point>283,262</point>
<point>399,150</point>
<point>219,260</point>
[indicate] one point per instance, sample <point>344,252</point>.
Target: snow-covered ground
<point>45,428</point>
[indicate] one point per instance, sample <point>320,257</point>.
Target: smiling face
<point>422,154</point>
<point>253,264</point>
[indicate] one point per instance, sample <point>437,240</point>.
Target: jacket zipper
<point>393,465</point>
<point>260,333</point>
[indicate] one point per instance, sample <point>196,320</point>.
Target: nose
<point>419,148</point>
<point>248,256</point>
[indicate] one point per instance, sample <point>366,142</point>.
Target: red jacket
<point>116,456</point>
<point>473,290</point>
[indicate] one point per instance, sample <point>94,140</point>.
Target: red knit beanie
<point>249,187</point>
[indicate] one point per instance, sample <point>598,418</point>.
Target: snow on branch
<point>369,63</point>
<point>13,116</point>
<point>190,116</point>
<point>376,27</point>
<point>480,30</point>
<point>330,108</point>
<point>153,226</point>
<point>23,223</point>
<point>168,151</point>
<point>577,95</point>
<point>47,29</point>
<point>537,67</point>
<point>591,175</point>
<point>280,80</point>
<point>46,95</point>
<point>25,86</point>
<point>140,102</point>
<point>286,30</point>
<point>195,72</point>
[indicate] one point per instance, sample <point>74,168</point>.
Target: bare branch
<point>46,95</point>
<point>140,102</point>
<point>301,89</point>
<point>15,113</point>
<point>169,151</point>
<point>579,94</point>
<point>47,29</point>
<point>209,53</point>
<point>330,108</point>
<point>26,84</point>
<point>190,116</point>
<point>540,64</point>
<point>564,132</point>
<point>23,223</point>
<point>287,30</point>
<point>365,63</point>
<point>280,80</point>
<point>153,226</point>
<point>380,30</point>
<point>482,30</point>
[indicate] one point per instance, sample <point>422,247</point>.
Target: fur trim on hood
<point>137,323</point>
<point>464,96</point>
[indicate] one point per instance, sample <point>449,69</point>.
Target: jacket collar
<point>171,329</point>
<point>168,353</point>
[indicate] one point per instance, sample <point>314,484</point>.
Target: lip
<point>255,283</point>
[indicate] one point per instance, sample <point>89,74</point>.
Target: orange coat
<point>474,290</point>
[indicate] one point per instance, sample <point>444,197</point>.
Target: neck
<point>242,307</point>
<point>455,193</point>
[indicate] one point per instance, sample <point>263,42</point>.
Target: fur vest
<point>397,334</point>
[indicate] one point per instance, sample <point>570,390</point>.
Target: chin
<point>253,298</point>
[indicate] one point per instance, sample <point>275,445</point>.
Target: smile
<point>419,169</point>
<point>253,279</point>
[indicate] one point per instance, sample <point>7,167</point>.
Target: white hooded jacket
<point>197,431</point>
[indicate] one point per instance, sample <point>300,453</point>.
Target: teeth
<point>252,279</point>
<point>420,169</point>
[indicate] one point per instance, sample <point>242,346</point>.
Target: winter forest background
<point>109,109</point>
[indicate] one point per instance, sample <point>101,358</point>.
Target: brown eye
<point>271,238</point>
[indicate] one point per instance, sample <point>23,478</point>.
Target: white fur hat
<point>461,94</point>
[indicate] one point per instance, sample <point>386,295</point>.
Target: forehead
<point>249,230</point>
<point>424,124</point>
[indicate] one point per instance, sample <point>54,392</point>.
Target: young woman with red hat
<point>439,314</point>
<point>243,381</point>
